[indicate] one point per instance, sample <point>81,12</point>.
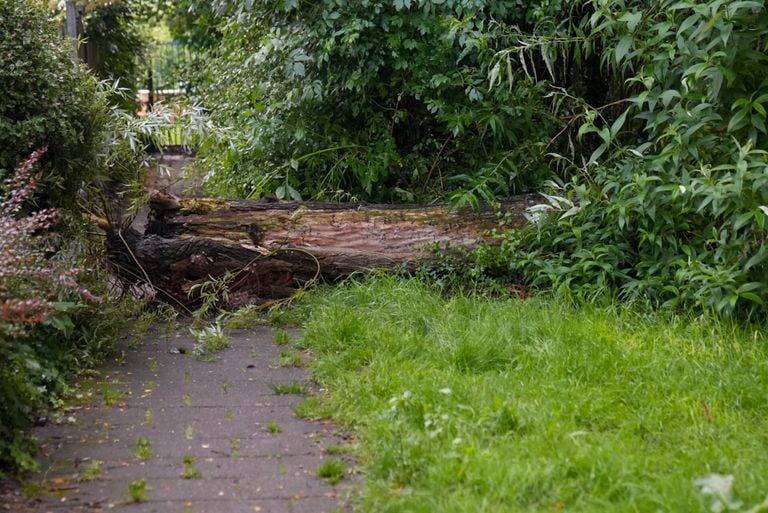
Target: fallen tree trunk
<point>271,248</point>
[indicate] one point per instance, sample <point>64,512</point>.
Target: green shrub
<point>46,101</point>
<point>50,323</point>
<point>671,206</point>
<point>371,100</point>
<point>116,44</point>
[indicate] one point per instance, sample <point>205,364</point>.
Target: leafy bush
<point>38,297</point>
<point>116,43</point>
<point>671,206</point>
<point>45,101</point>
<point>382,100</point>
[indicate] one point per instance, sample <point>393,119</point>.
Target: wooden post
<point>72,28</point>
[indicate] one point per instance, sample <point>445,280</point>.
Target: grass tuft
<point>137,490</point>
<point>190,472</point>
<point>291,359</point>
<point>332,471</point>
<point>293,387</point>
<point>143,449</point>
<point>281,337</point>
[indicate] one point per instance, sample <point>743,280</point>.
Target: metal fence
<point>165,67</point>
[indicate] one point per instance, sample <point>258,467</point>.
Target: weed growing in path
<point>209,339</point>
<point>274,428</point>
<point>143,449</point>
<point>331,471</point>
<point>34,489</point>
<point>92,471</point>
<point>312,408</point>
<point>234,447</point>
<point>110,395</point>
<point>281,337</point>
<point>190,472</point>
<point>293,387</point>
<point>291,359</point>
<point>337,449</point>
<point>137,491</point>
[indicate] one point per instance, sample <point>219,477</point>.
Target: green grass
<point>92,471</point>
<point>110,395</point>
<point>281,337</point>
<point>312,408</point>
<point>190,472</point>
<point>337,449</point>
<point>291,359</point>
<point>331,471</point>
<point>143,449</point>
<point>137,491</point>
<point>291,388</point>
<point>509,405</point>
<point>274,428</point>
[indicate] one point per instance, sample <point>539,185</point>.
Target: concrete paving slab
<point>215,412</point>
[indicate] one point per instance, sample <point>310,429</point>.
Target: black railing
<point>165,67</point>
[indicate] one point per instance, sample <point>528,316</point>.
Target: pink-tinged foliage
<point>30,282</point>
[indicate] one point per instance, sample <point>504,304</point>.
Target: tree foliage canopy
<point>643,121</point>
<point>375,100</point>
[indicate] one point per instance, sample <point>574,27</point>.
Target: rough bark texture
<point>272,248</point>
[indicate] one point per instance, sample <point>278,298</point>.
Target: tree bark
<point>269,249</point>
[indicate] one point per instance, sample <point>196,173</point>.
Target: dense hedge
<point>671,207</point>
<point>45,101</point>
<point>385,100</point>
<point>53,145</point>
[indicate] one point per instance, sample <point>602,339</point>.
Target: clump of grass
<point>148,416</point>
<point>291,359</point>
<point>337,449</point>
<point>187,398</point>
<point>281,337</point>
<point>293,387</point>
<point>143,449</point>
<point>312,408</point>
<point>245,318</point>
<point>209,340</point>
<point>234,447</point>
<point>32,489</point>
<point>274,428</point>
<point>190,472</point>
<point>110,395</point>
<point>137,490</point>
<point>189,432</point>
<point>92,471</point>
<point>536,405</point>
<point>332,471</point>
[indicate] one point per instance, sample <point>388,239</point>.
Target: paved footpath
<point>200,434</point>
